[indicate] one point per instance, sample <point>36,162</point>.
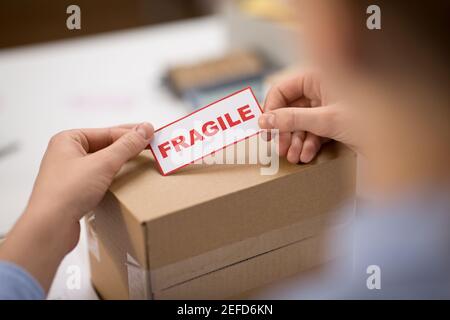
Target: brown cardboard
<point>184,228</point>
<point>224,256</point>
<point>261,269</point>
<point>235,65</point>
<point>235,279</point>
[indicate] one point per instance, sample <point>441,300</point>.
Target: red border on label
<point>188,115</point>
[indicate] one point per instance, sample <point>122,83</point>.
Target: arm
<point>76,171</point>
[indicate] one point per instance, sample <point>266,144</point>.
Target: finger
<point>284,93</point>
<point>94,139</point>
<point>83,141</point>
<point>301,103</point>
<point>311,146</point>
<point>289,91</point>
<point>293,154</point>
<point>127,125</point>
<point>284,143</point>
<point>321,121</point>
<point>127,146</point>
<point>284,140</point>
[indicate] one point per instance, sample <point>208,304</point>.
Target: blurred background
<point>30,21</point>
<point>135,60</point>
<point>131,61</point>
<point>157,60</point>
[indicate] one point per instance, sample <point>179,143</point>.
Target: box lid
<point>148,195</point>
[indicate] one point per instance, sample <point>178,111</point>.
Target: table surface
<point>95,81</point>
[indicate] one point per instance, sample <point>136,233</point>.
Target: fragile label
<point>205,131</point>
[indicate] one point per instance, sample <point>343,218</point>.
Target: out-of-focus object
<point>266,26</point>
<point>9,148</point>
<point>29,21</point>
<point>202,96</point>
<point>215,231</point>
<point>261,38</point>
<point>209,80</point>
<point>216,71</point>
<point>274,10</point>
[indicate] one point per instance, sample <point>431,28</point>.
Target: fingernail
<point>307,157</point>
<point>145,130</point>
<point>267,121</point>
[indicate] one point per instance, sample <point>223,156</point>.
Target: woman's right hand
<point>300,108</point>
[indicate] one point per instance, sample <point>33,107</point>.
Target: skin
<point>76,171</point>
<point>307,109</point>
<point>385,102</point>
<point>302,111</point>
<point>395,118</point>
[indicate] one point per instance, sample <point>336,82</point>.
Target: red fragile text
<point>208,129</point>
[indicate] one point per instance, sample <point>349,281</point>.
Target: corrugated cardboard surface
<point>107,275</point>
<point>196,266</point>
<point>228,281</point>
<point>148,195</point>
<point>261,269</point>
<point>208,218</point>
<point>238,215</point>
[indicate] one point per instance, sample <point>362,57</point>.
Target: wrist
<point>53,227</point>
<point>39,241</point>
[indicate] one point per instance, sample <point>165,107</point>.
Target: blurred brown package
<point>215,71</point>
<point>216,231</point>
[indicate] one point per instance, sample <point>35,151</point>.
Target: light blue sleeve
<point>18,284</point>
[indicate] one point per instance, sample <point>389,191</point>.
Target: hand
<point>76,171</point>
<point>300,108</point>
<point>79,166</point>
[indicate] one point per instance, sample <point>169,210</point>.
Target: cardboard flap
<point>148,195</point>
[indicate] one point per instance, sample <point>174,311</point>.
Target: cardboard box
<point>216,231</point>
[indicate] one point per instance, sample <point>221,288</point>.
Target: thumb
<point>321,121</point>
<point>128,145</point>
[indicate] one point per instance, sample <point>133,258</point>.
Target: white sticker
<point>205,131</point>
